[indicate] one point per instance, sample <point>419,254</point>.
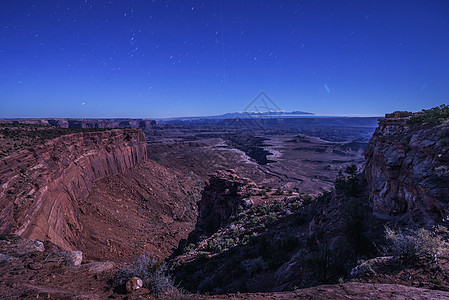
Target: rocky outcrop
<point>40,187</point>
<point>407,169</point>
<point>31,269</point>
<point>221,198</point>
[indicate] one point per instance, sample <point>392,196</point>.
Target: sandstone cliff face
<point>40,187</point>
<point>407,168</point>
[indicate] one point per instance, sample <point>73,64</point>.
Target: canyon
<point>231,207</point>
<point>40,186</point>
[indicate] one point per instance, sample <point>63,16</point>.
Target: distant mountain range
<point>252,115</point>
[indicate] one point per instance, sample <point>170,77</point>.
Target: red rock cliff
<point>39,187</point>
<point>407,168</point>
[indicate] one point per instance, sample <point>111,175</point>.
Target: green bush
<point>277,206</point>
<point>229,242</point>
<point>348,183</point>
<point>306,199</point>
<point>402,113</point>
<point>189,248</point>
<point>433,116</point>
<point>272,217</point>
<point>279,191</point>
<point>214,246</point>
<point>413,246</point>
<point>254,221</point>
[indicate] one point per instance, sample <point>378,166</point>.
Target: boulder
<point>75,258</point>
<point>134,283</point>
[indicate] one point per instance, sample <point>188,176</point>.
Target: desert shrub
<point>279,191</point>
<point>235,231</point>
<point>317,263</point>
<point>402,113</point>
<point>255,265</point>
<point>254,220</point>
<point>326,261</point>
<point>189,248</point>
<point>306,199</point>
<point>277,206</point>
<point>214,246</point>
<point>295,206</point>
<point>248,194</point>
<point>436,281</point>
<point>261,210</point>
<point>272,217</point>
<point>348,183</point>
<point>413,246</point>
<point>355,225</point>
<point>262,193</point>
<point>275,251</point>
<point>229,242</point>
<point>153,274</point>
<point>433,116</point>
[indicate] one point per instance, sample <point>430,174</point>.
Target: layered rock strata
<point>407,168</point>
<point>40,187</point>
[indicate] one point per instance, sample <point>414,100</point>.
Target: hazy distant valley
<point>302,154</point>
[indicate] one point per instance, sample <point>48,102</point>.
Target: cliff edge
<point>407,169</point>
<point>40,186</point>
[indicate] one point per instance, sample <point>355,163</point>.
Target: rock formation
<point>88,123</point>
<point>221,198</point>
<point>40,187</point>
<point>407,169</point>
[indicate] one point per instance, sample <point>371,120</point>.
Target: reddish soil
<point>148,208</point>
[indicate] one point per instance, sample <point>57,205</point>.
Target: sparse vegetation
<point>355,222</point>
<point>272,217</point>
<point>413,246</point>
<point>279,192</point>
<point>189,248</point>
<point>154,275</point>
<point>402,113</point>
<point>277,206</point>
<point>433,116</point>
<point>348,182</point>
<point>20,136</point>
<point>306,199</point>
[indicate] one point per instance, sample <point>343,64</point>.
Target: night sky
<point>149,59</point>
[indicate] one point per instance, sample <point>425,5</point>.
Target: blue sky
<point>159,58</point>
